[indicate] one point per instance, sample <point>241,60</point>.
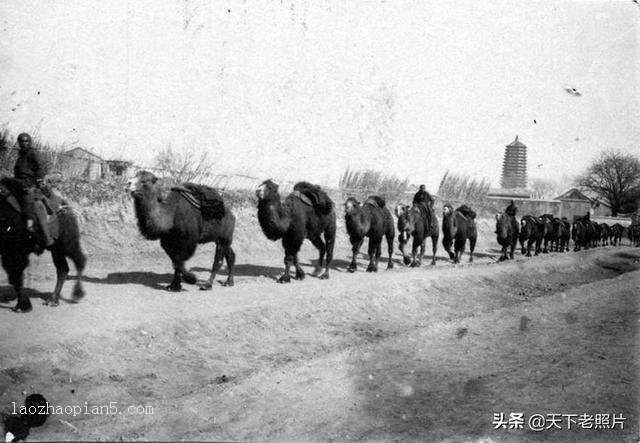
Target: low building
<point>576,204</point>
<point>80,162</point>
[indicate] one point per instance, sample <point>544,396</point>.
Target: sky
<point>305,89</point>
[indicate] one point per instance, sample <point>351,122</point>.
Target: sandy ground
<point>428,354</point>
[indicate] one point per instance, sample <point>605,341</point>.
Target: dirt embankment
<point>409,354</point>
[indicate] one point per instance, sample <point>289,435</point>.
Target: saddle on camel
<point>28,194</point>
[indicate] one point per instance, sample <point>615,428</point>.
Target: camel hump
<point>211,202</point>
<point>467,211</point>
<point>320,200</point>
<point>376,201</point>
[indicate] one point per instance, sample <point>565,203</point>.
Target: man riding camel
<point>30,172</point>
<point>425,201</point>
<point>422,196</point>
<point>512,209</point>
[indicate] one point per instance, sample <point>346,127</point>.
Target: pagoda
<point>514,166</point>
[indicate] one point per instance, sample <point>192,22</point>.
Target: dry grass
<point>361,184</point>
<point>462,188</point>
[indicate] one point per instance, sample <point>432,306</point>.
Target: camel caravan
<point>34,218</point>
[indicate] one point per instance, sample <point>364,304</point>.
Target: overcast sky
<point>303,90</point>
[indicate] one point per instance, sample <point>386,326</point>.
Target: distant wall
<point>530,206</point>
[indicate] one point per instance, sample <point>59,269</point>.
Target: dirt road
<point>426,354</point>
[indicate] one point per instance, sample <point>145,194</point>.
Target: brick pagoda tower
<point>514,166</point>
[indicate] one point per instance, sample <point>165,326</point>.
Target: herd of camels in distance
<point>192,214</point>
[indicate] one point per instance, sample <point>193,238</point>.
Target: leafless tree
<point>613,176</point>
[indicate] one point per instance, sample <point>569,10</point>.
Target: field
<point>427,354</point>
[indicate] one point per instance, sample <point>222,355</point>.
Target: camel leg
<point>374,254</point>
<point>472,246</point>
<point>459,247</point>
<point>417,257</point>
<point>62,271</point>
<point>79,261</point>
<point>330,241</point>
<point>355,248</point>
<point>300,275</point>
<point>322,250</point>
<point>401,243</point>
<point>15,279</point>
<point>288,262</point>
<point>378,252</point>
<point>291,248</point>
<point>175,285</point>
<point>414,253</point>
<point>217,264</point>
<point>230,257</point>
<point>434,247</point>
<point>446,243</point>
<point>390,250</point>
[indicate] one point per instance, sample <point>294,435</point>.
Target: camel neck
<point>357,222</point>
<point>273,220</point>
<point>154,218</point>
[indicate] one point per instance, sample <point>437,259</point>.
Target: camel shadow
<point>149,279</point>
<point>8,295</point>
<point>494,254</point>
<point>245,270</point>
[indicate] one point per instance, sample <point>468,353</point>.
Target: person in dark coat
<point>30,172</point>
<point>512,209</point>
<point>422,196</point>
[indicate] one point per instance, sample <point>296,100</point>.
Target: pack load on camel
<point>204,198</point>
<point>314,196</point>
<point>307,212</point>
<point>188,216</point>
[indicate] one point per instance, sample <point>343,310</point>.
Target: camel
<point>616,234</point>
<point>181,226</point>
<point>457,227</point>
<point>507,229</point>
<point>15,245</point>
<point>563,228</point>
<point>605,234</point>
<point>371,219</point>
<point>532,230</point>
<point>549,234</point>
<point>579,235</point>
<point>420,222</point>
<point>307,212</point>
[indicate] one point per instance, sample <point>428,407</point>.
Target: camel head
<point>143,182</point>
<point>406,222</point>
<point>267,190</point>
<point>401,209</point>
<point>447,210</point>
<point>503,223</point>
<point>351,205</point>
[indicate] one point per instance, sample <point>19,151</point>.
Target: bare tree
<point>544,189</point>
<point>188,165</point>
<point>613,177</point>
